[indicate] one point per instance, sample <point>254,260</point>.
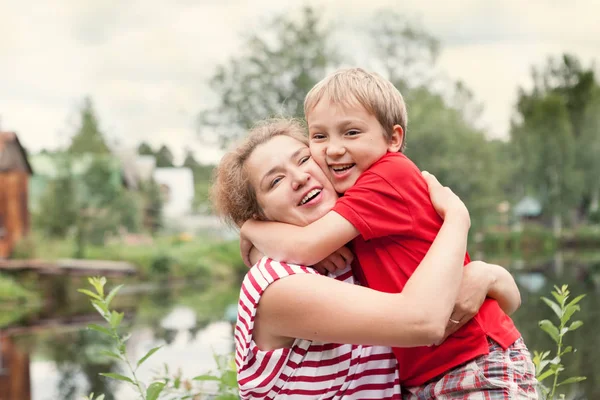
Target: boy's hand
<point>246,247</point>
<point>444,200</point>
<point>338,260</point>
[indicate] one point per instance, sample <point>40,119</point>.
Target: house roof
<point>13,155</point>
<point>528,207</point>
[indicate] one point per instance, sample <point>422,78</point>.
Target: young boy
<point>357,124</point>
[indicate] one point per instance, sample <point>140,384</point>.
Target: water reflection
<point>62,360</point>
<point>49,352</point>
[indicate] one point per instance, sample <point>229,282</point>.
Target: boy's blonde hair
<point>232,194</point>
<point>376,94</point>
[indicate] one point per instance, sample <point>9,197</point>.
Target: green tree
<point>441,136</point>
<point>189,161</point>
<point>548,148</point>
<point>164,157</point>
<point>562,80</point>
<point>271,75</point>
<point>88,138</point>
<point>144,149</point>
<point>58,206</point>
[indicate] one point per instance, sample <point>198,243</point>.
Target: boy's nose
<point>334,149</point>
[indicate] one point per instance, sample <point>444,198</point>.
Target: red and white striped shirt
<point>308,369</point>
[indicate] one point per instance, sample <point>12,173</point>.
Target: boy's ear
<point>396,140</point>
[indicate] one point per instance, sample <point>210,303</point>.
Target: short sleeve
<point>375,208</point>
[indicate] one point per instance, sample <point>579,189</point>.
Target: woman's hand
<point>445,202</point>
<point>472,293</point>
<point>338,260</point>
<point>481,280</point>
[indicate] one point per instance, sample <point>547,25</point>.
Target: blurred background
<point>113,115</point>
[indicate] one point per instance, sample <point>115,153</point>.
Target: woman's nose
<point>299,180</point>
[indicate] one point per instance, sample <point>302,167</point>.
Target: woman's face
<point>290,186</point>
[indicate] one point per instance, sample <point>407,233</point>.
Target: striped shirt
<point>308,369</point>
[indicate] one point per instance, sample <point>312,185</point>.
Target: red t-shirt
<point>391,208</point>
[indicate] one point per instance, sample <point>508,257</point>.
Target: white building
<point>177,188</point>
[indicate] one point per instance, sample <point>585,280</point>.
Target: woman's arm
<point>319,308</point>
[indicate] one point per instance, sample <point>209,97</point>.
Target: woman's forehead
<point>274,154</point>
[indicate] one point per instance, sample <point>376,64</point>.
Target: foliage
<point>12,292</point>
<point>164,157</point>
<point>271,75</point>
<point>555,138</point>
<point>545,366</point>
<point>58,205</point>
<point>144,149</point>
<point>166,384</point>
<point>88,138</point>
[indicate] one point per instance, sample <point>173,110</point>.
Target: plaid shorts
<point>501,374</point>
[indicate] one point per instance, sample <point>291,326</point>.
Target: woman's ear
<point>397,139</point>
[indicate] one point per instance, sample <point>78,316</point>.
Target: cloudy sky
<point>145,63</point>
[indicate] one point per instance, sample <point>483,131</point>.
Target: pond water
<point>59,357</point>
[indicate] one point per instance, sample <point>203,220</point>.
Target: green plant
<point>546,367</point>
<point>225,377</point>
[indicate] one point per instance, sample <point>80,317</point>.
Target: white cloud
<point>145,63</point>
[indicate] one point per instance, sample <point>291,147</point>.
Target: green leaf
<point>567,349</point>
<point>227,396</point>
<point>229,378</point>
<point>101,307</point>
<point>100,329</point>
<point>573,379</point>
<point>555,307</point>
<point>101,397</point>
<point>575,325</point>
<point>148,354</point>
<point>154,390</point>
<point>118,377</point>
<point>550,329</point>
<point>111,354</point>
<point>112,294</point>
<point>569,311</point>
<point>90,294</point>
<point>576,300</point>
<point>545,375</point>
<point>206,378</point>
<point>541,366</point>
<point>115,319</point>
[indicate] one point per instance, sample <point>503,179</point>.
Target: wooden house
<point>14,181</point>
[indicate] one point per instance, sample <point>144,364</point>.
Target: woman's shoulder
<point>267,271</point>
<point>271,270</point>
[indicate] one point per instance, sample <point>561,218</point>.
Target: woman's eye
<point>304,159</point>
<point>275,181</point>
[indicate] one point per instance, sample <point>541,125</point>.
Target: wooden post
<point>15,380</point>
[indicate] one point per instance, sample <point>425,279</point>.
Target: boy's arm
<point>304,245</point>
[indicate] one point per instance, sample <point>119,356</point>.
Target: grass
<point>167,256</point>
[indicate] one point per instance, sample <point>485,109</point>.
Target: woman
<point>288,329</point>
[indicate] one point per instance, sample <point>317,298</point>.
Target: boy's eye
<point>318,136</point>
<point>352,132</point>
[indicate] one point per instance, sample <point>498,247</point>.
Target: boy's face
<point>346,140</point>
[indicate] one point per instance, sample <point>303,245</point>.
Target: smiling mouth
<point>309,196</point>
<point>341,167</point>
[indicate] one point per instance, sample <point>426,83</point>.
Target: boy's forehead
<point>328,106</point>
